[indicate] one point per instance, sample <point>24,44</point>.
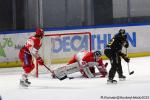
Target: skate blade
<point>111,82</point>
<point>62,77</point>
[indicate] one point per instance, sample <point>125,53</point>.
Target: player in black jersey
<point>114,52</point>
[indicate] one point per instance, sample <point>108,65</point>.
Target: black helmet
<point>122,35</point>
<point>122,32</point>
<point>97,53</point>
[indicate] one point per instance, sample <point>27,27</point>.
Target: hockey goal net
<point>58,49</point>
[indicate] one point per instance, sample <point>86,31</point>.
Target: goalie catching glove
<point>40,61</point>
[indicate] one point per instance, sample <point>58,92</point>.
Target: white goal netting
<point>60,48</point>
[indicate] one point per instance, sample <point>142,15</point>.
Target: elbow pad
<point>34,52</point>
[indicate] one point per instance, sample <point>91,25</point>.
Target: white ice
<point>45,88</point>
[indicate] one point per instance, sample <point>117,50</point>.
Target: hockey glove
<point>124,56</point>
<point>126,45</point>
<point>126,59</point>
<point>40,61</point>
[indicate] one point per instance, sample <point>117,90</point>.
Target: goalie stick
<point>60,78</point>
<point>130,73</point>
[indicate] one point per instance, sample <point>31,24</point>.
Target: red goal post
<point>57,48</point>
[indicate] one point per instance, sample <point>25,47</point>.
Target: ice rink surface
<point>45,88</point>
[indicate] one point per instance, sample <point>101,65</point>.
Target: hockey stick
<point>130,73</point>
<point>48,68</point>
<point>62,78</point>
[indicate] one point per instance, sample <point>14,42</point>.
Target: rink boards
<point>138,37</point>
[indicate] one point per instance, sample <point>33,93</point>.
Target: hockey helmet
<point>97,53</point>
<point>40,32</point>
<point>122,32</point>
<point>122,35</point>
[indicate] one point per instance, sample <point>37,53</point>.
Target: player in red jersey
<point>85,57</point>
<point>84,62</point>
<point>28,52</point>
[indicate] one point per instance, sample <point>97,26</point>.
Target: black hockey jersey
<point>117,43</point>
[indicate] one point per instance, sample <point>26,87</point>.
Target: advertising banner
<point>138,37</point>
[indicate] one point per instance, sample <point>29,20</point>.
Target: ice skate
<point>25,83</point>
<point>111,81</point>
<point>122,77</point>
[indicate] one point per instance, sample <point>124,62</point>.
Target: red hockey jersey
<point>32,46</point>
<point>85,56</point>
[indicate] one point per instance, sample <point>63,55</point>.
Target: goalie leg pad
<point>72,68</point>
<point>92,64</point>
<point>87,72</point>
<point>60,73</point>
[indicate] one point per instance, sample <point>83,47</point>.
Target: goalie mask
<point>97,54</point>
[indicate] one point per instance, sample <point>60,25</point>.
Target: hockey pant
<point>26,62</point>
<point>116,66</point>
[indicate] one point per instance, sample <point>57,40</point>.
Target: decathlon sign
<point>99,41</point>
<point>70,43</point>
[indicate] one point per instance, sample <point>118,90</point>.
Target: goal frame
<point>63,34</point>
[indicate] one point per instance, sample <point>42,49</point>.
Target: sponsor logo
<point>77,43</point>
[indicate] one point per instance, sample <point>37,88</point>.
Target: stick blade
<point>131,72</point>
<point>62,78</point>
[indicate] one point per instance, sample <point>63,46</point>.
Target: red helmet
<point>39,31</point>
